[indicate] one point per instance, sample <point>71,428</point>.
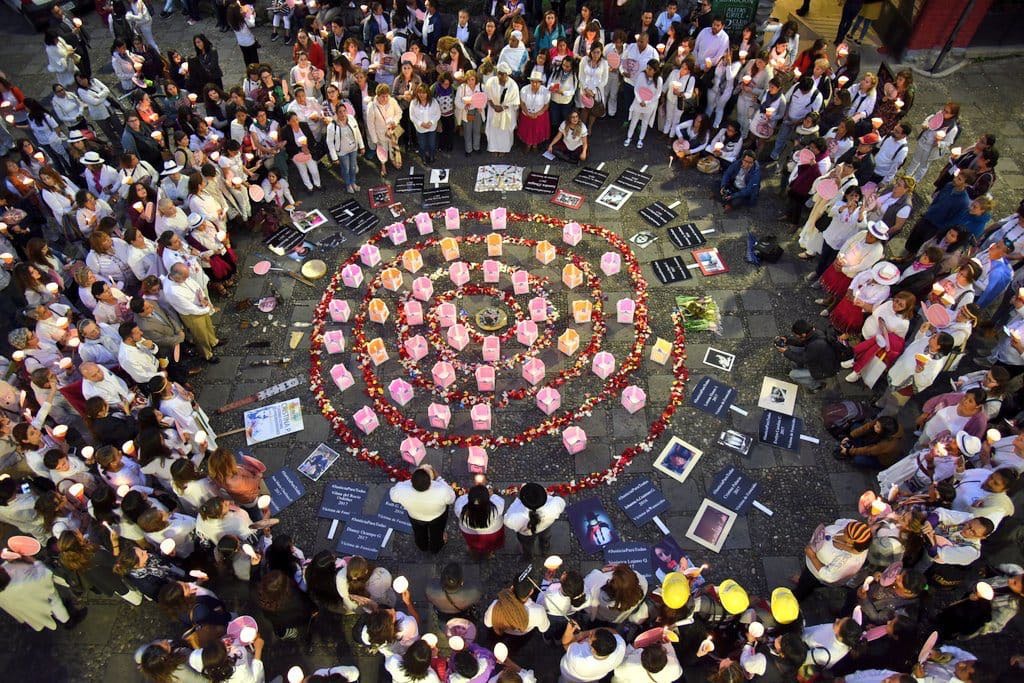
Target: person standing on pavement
<point>192,304</point>
<point>531,516</point>
<point>812,354</point>
<point>426,498</point>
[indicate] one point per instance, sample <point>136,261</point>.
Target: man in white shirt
<point>190,302</point>
<point>802,99</point>
<point>983,493</point>
<point>891,154</point>
<point>533,498</point>
<point>591,655</point>
<point>426,498</point>
<point>657,663</point>
<point>634,59</point>
<point>137,355</point>
<point>711,45</point>
<point>99,343</point>
<point>99,381</point>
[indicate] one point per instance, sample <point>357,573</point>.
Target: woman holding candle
<point>480,520</point>
<point>937,134</point>
<point>383,127</point>
<point>298,137</point>
<point>469,118</point>
<point>93,566</point>
<point>242,482</point>
<point>720,90</point>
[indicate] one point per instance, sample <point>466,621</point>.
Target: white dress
<point>895,324</point>
<point>501,126</point>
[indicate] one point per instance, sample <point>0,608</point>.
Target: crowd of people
<point>118,207</point>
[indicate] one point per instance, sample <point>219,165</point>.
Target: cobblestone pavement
<point>802,488</point>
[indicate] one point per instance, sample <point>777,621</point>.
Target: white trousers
<point>309,172</point>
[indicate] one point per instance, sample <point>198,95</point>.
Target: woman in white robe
<point>503,105</point>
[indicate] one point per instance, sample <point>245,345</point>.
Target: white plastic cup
<point>500,652</point>
<point>756,629</point>
<point>167,546</point>
<point>52,287</point>
<point>200,437</point>
<point>78,491</point>
<point>88,452</point>
<point>400,584</point>
<point>128,447</point>
<point>123,490</point>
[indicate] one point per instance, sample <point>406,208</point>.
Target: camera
<point>780,342</point>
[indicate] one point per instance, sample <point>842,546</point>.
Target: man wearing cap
<point>948,208</point>
<point>722,605</point>
<point>835,554</point>
<point>1009,228</point>
<point>503,104</point>
<point>591,655</point>
<point>190,301</point>
<point>102,180</point>
<point>862,157</point>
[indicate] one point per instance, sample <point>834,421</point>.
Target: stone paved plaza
<point>802,488</point>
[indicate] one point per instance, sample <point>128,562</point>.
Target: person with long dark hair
<point>452,594</point>
<point>205,66</point>
<point>283,603</point>
<point>166,661</point>
<point>480,521</point>
<point>242,19</point>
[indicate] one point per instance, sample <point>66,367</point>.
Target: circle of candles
<point>263,502</point>
<point>501,652</point>
<point>295,674</point>
<point>400,584</point>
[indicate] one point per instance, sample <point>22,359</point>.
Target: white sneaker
<point>846,364</point>
<point>825,313</point>
<point>853,377</point>
<point>627,142</point>
<point>639,144</point>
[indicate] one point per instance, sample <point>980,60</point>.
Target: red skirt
<point>834,282</point>
<point>222,266</point>
<point>847,317</point>
<point>484,544</point>
<point>869,348</point>
<point>534,131</point>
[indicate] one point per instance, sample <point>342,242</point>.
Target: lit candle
<point>899,103</point>
<point>52,287</point>
<point>248,550</point>
<point>743,54</point>
<point>456,643</point>
<point>123,490</point>
<point>756,629</point>
<point>18,356</point>
<point>8,258</point>
<point>263,502</point>
<point>843,80</point>
<point>301,140</point>
<point>60,432</point>
<point>273,135</point>
<point>552,563</point>
<point>430,639</point>
<point>192,97</point>
<point>992,436</point>
<point>500,652</point>
<point>77,22</point>
<point>222,234</point>
<point>796,72</point>
<point>138,66</point>
<point>200,437</point>
<point>209,120</point>
<point>167,546</point>
<point>876,122</point>
<point>247,635</point>
<point>77,491</point>
<point>940,135</point>
<point>719,146</point>
<point>295,674</point>
<point>746,79</point>
<point>128,447</point>
<point>248,156</point>
<point>9,118</point>
<point>214,156</point>
<point>39,157</point>
<point>198,574</point>
<point>400,584</point>
<point>660,48</point>
<point>868,580</point>
<point>157,135</point>
<point>956,152</point>
<point>707,646</point>
<point>138,206</point>
<point>237,182</point>
<point>87,453</point>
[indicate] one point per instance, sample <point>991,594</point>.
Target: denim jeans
<point>865,25</point>
<point>349,167</point>
<point>786,129</point>
<point>428,144</point>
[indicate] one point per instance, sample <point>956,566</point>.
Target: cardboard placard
<point>591,177</point>
<point>499,178</point>
<point>658,214</point>
<point>710,261</point>
<point>592,525</point>
<point>380,196</point>
<point>285,488</point>
<point>351,215</point>
<point>686,236</point>
<point>636,556</point>
<point>437,196</point>
<point>394,515</point>
<point>781,430</point>
<point>342,500</point>
<point>671,270</point>
<point>635,180</point>
<point>409,184</point>
<point>642,501</point>
<point>778,395</point>
<point>363,536</point>
<point>734,489</point>
<point>541,183</point>
<point>271,421</point>
<point>711,396</point>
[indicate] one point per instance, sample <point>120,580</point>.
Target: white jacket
<point>95,98</point>
<point>333,136</point>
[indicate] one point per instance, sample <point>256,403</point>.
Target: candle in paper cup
<point>39,157</point>
<point>123,490</point>
<point>956,152</point>
<point>400,584</point>
<point>743,54</point>
<point>877,122</point>
<point>947,299</point>
<point>248,156</point>
<point>30,181</point>
<point>167,546</point>
<point>301,140</point>
<point>636,36</point>
<point>236,181</point>
<point>796,72</point>
<point>500,652</point>
<point>8,258</point>
<point>707,646</point>
<point>937,289</point>
<point>940,135</point>
<point>200,437</point>
<point>681,50</point>
<point>183,70</point>
<point>138,66</point>
<point>456,643</point>
<point>842,49</point>
<point>3,227</point>
<point>52,287</point>
<point>199,574</point>
<point>430,639</point>
<point>247,549</point>
<point>843,80</point>
<point>18,356</point>
<point>868,580</point>
<point>899,103</point>
<point>746,79</point>
<point>480,479</point>
<point>363,8</point>
<point>65,364</point>
<point>247,635</point>
<point>9,118</point>
<point>128,447</point>
<point>263,502</point>
<point>222,234</point>
<point>769,111</point>
<point>77,22</point>
<point>458,74</point>
<point>756,629</point>
<point>60,432</point>
<point>719,146</point>
<point>877,506</point>
<point>273,135</point>
<point>993,435</point>
<point>660,47</point>
<point>921,358</point>
<point>295,674</point>
<point>467,100</point>
<point>87,453</point>
<point>192,97</point>
<point>553,562</point>
<point>707,62</point>
<point>677,86</point>
<point>138,206</point>
<point>157,135</point>
<point>214,156</point>
<point>77,491</point>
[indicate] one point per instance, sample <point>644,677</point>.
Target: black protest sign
<point>351,215</point>
<point>541,183</point>
<point>781,430</point>
<point>713,397</point>
<point>642,501</point>
<point>409,184</point>
<point>671,270</point>
<point>686,236</point>
<point>363,536</point>
<point>284,239</point>
<point>658,214</point>
<point>733,489</point>
<point>342,500</point>
<point>636,556</point>
<point>635,180</point>
<point>591,177</point>
<point>393,514</point>
<point>285,488</point>
<point>436,196</point>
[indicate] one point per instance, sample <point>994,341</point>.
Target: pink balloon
<point>479,100</point>
<point>936,121</point>
<point>382,153</point>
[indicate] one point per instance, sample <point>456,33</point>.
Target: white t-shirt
<point>423,506</point>
<point>517,518</point>
<point>496,519</point>
<point>631,670</point>
<point>393,665</point>
<point>822,638</point>
<point>571,141</point>
<point>580,665</point>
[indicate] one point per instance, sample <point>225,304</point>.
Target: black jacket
<point>813,353</point>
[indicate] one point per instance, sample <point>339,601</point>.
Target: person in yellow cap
<point>724,604</point>
<point>785,608</point>
<point>834,555</point>
<point>675,590</point>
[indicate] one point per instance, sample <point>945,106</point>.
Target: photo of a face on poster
<point>677,459</point>
<point>592,525</point>
<point>669,557</point>
<point>711,525</point>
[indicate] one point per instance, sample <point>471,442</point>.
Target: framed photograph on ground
<point>569,200</point>
<point>677,459</point>
<point>778,396</point>
<point>318,461</point>
<point>711,525</point>
<point>736,441</point>
<point>307,221</point>
<point>380,196</point>
<point>614,197</point>
<point>710,261</point>
<point>717,358</point>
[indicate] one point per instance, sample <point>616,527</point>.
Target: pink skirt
<point>534,131</point>
<point>484,544</point>
<point>834,282</point>
<point>847,317</point>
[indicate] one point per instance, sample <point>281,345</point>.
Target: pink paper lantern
<point>412,260</point>
<point>424,225</point>
<point>544,252</point>
<point>534,370</point>
<point>569,342</point>
<point>538,307</point>
<point>611,263</point>
<point>633,398</point>
<point>476,461</point>
<point>499,218</point>
<point>458,336</point>
<point>392,279</point>
<point>574,439</point>
<point>396,233</point>
<point>342,377</point>
<point>494,243</point>
<point>352,275</point>
<point>521,282</point>
<point>334,341</point>
<point>376,350</point>
<point>526,332</point>
<point>458,273</point>
<point>624,311</point>
<point>492,271</point>
<point>572,276</point>
<point>582,311</point>
<point>451,218</point>
<point>369,254</point>
<point>480,415</point>
<point>439,415</point>
<point>400,390</point>
<point>450,248</point>
<point>572,233</point>
<point>413,311</point>
<point>447,314</point>
<point>491,348</point>
<point>413,450</point>
<point>443,373</point>
<point>484,378</point>
<point>422,288</point>
<point>603,365</point>
<point>548,400</point>
<point>339,310</point>
<point>416,347</point>
<point>379,312</point>
<point>366,419</point>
